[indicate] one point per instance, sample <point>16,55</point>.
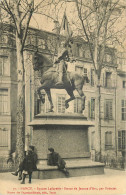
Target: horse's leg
<point>80,92</point>
<point>40,95</point>
<point>72,97</point>
<point>50,99</point>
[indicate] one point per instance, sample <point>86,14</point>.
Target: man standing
<point>18,172</point>
<point>28,165</point>
<point>54,159</point>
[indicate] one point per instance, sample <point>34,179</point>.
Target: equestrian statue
<point>55,75</point>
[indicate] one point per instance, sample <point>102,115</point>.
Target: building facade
<point>112,91</point>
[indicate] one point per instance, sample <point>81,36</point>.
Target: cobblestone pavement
<point>112,182</point>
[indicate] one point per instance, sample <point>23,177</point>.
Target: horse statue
<point>49,75</point>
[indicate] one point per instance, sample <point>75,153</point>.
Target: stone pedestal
<point>67,134</point>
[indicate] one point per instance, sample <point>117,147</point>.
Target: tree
<point>20,12</point>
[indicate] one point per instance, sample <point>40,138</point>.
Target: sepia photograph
<point>63,97</point>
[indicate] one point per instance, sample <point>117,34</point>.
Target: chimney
<point>56,29</point>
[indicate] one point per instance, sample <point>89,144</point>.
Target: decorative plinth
<point>68,135</point>
<point>76,168</point>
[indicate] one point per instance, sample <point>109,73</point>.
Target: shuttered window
<point>108,109</point>
<point>91,108</point>
<point>4,66</point>
<point>123,110</point>
<point>93,140</point>
<point>108,79</point>
<point>4,109</point>
<point>78,105</point>
<point>122,140</point>
<point>3,137</point>
<point>92,77</point>
<point>61,104</point>
<point>108,140</point>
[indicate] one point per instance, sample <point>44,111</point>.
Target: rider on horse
<point>63,56</point>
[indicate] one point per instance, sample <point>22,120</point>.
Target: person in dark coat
<point>54,159</point>
<point>20,168</point>
<point>28,165</point>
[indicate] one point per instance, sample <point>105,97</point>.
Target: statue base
<point>76,168</point>
<point>68,135</point>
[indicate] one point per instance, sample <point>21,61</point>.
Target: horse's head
<point>37,61</point>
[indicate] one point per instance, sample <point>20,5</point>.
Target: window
<point>92,77</point>
<point>4,39</point>
<point>85,72</point>
<point>41,43</point>
<point>4,66</point>
<point>50,43</point>
<point>122,140</point>
<point>124,84</point>
<point>108,140</point>
<point>93,140</point>
<point>91,108</point>
<point>80,51</point>
<point>108,109</point>
<point>61,104</point>
<point>3,137</point>
<point>108,79</point>
<point>123,110</point>
<point>108,58</point>
<point>79,69</point>
<point>31,40</point>
<point>87,54</point>
<point>78,105</point>
<point>43,108</point>
<point>4,102</point>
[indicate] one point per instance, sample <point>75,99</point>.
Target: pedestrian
<point>54,159</point>
<point>28,166</point>
<point>18,172</point>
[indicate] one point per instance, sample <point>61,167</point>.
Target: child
<point>29,165</point>
<point>54,159</point>
<point>18,172</point>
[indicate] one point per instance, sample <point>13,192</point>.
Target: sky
<point>44,23</point>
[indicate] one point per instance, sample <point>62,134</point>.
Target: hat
<point>51,149</point>
<point>32,147</point>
